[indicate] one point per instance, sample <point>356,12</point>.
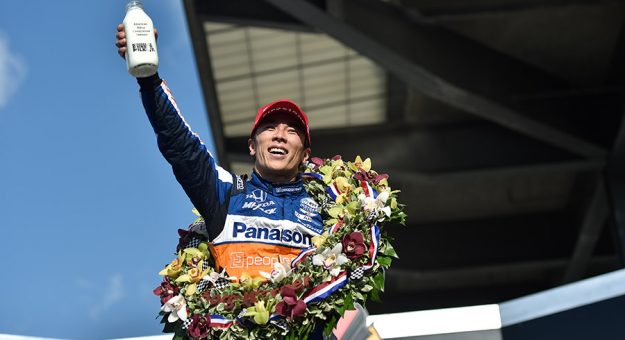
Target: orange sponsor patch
<point>239,258</point>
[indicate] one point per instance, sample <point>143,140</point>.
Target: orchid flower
<point>174,268</point>
<point>331,259</point>
<point>214,276</point>
<point>278,273</point>
<point>177,306</point>
<point>290,306</point>
<point>248,282</point>
<point>259,312</point>
<point>376,205</point>
<point>360,164</point>
<point>193,275</point>
<point>354,245</point>
<point>319,240</point>
<point>194,255</point>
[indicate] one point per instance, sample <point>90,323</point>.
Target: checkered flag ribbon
<point>242,313</point>
<point>221,283</point>
<point>280,323</point>
<point>186,323</point>
<point>205,265</point>
<point>372,216</point>
<point>194,243</point>
<point>201,287</point>
<point>357,274</point>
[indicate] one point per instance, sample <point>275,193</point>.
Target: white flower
<point>331,259</point>
<point>214,276</point>
<point>278,273</point>
<point>178,308</point>
<point>376,205</point>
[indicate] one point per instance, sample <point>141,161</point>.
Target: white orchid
<point>376,205</point>
<point>213,276</point>
<point>178,308</point>
<point>331,259</point>
<point>278,273</point>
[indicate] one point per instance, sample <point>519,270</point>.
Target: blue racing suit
<point>251,223</point>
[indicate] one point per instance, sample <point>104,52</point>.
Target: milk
<point>141,54</point>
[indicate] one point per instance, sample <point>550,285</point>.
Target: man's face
<point>278,146</point>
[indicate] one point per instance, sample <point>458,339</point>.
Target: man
<point>252,223</point>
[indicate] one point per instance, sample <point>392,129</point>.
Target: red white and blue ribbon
<point>335,227</point>
<point>373,246</point>
<point>333,191</point>
<point>302,255</point>
<point>324,290</point>
<point>220,321</point>
<point>368,189</point>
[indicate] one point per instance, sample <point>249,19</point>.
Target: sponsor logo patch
<point>257,200</point>
<point>288,189</point>
<point>241,260</point>
<point>309,206</point>
<point>241,231</point>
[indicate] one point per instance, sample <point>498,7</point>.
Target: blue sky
<point>88,208</point>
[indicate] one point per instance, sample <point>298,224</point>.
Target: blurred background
<point>499,120</point>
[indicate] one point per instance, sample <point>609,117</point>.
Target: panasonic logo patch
<point>296,238</point>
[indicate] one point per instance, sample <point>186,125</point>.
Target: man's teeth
<point>278,151</point>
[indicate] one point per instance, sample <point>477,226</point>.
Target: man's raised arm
<point>206,184</point>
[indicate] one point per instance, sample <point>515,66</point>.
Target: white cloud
<point>113,293</point>
<point>12,71</point>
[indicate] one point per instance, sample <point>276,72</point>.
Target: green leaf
<point>334,212</point>
<point>353,206</point>
<point>349,302</point>
<point>384,261</point>
<point>390,251</point>
<point>378,281</point>
<point>375,295</point>
<point>169,328</point>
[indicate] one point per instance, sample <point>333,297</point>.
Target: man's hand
<point>121,40</point>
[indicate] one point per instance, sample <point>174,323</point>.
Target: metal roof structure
<point>500,121</point>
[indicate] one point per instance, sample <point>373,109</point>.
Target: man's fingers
<point>121,43</point>
<point>155,33</point>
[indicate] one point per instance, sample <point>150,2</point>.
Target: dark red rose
<point>290,306</point>
<point>354,245</point>
<point>166,291</point>
<point>336,157</point>
<point>200,325</point>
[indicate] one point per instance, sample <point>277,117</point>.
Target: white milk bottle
<point>141,54</point>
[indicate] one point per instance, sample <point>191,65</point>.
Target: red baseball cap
<point>282,105</point>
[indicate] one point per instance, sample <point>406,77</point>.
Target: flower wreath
<point>345,266</point>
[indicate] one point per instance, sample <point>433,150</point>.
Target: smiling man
<point>252,222</point>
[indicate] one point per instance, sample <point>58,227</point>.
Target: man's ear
<point>252,146</point>
<point>307,152</point>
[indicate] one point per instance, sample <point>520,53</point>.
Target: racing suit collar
<point>278,189</point>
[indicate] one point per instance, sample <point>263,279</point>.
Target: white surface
<point>563,298</point>
<point>439,321</point>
